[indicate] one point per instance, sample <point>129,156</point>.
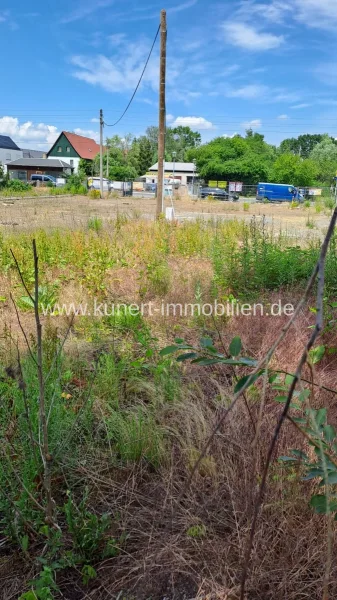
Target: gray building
<point>9,151</point>
<point>27,153</point>
<point>185,172</point>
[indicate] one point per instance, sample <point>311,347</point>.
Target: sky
<point>231,64</point>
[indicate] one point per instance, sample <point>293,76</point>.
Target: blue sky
<point>271,65</point>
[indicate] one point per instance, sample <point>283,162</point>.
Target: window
<point>8,156</point>
<point>68,148</point>
<point>59,148</point>
<point>71,162</point>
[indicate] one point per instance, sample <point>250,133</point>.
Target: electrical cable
<point>139,82</point>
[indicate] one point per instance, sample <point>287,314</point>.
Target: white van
<point>94,183</point>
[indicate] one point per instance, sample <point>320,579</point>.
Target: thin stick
<point>22,329</point>
<point>319,270</point>
<point>42,404</point>
<point>22,387</point>
<point>21,276</point>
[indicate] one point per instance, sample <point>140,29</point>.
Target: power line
<point>138,84</point>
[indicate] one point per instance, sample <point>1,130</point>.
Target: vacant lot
<point>75,211</point>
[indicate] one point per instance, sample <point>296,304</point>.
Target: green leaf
<point>240,384</point>
<point>313,474</point>
<point>300,454</point>
<point>273,377</point>
<point>320,506</point>
<point>287,459</point>
<point>321,416</point>
<point>206,342</point>
<point>329,433</point>
<point>235,346</point>
<point>24,543</point>
<point>316,354</point>
<point>172,349</point>
<point>281,399</point>
<point>179,341</point>
<point>289,379</point>
<point>205,362</point>
<point>303,395</point>
<point>28,596</point>
<point>332,478</point>
<point>186,356</point>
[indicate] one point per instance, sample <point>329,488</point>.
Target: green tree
<point>240,159</point>
<point>180,140</point>
<point>86,167</point>
<point>292,169</point>
<point>325,157</point>
<point>145,155</point>
<point>303,145</point>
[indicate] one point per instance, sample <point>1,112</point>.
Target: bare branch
<point>22,330</point>
<point>319,270</point>
<point>42,404</point>
<point>21,276</point>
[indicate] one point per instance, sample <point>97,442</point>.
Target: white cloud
<point>28,133</point>
<point>254,124</point>
<point>320,14</point>
<point>225,135</point>
<point>85,9</point>
<point>275,11</point>
<point>198,123</point>
<point>121,72</point>
<point>248,91</point>
<point>94,120</point>
<point>87,133</point>
<point>327,72</point>
<point>182,6</point>
<point>317,13</point>
<point>169,118</point>
<point>116,39</point>
<point>283,117</point>
<point>300,106</point>
<point>248,38</point>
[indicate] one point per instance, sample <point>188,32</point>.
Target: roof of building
<point>187,167</point>
<point>84,146</point>
<point>32,153</point>
<point>7,143</point>
<point>39,162</point>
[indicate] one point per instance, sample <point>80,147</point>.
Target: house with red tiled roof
<point>71,147</point>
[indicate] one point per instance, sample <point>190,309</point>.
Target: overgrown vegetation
<point>127,422</point>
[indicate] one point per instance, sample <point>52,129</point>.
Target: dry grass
<point>163,556</point>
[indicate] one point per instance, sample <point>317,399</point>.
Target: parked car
<point>278,192</point>
<point>150,187</point>
<point>43,178</point>
<point>218,193</point>
<point>94,183</point>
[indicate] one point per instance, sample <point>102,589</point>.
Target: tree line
<point>309,159</point>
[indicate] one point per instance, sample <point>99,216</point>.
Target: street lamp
<point>174,154</point>
<point>194,163</point>
<point>107,160</point>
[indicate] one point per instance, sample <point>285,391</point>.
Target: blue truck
<point>278,192</point>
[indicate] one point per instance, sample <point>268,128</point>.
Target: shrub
<point>246,206</point>
<point>95,223</point>
<point>94,194</point>
<point>17,186</point>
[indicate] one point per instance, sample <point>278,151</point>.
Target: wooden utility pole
<point>101,124</point>
<point>162,114</point>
